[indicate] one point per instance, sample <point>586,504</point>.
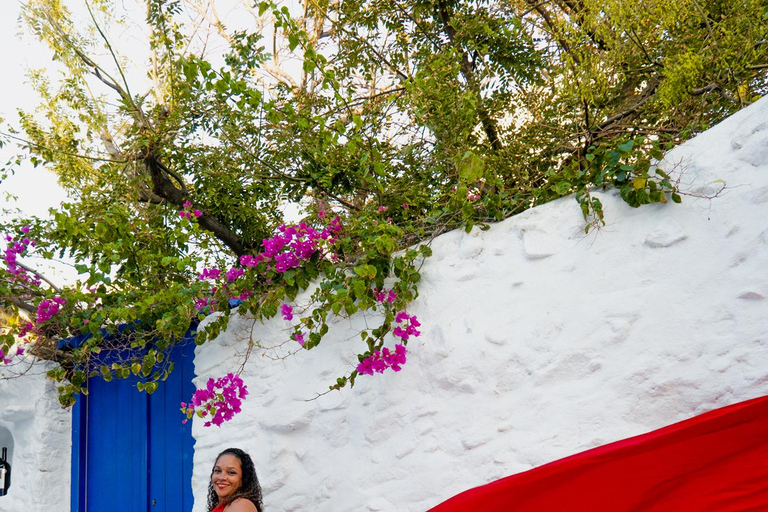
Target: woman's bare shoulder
<point>241,505</point>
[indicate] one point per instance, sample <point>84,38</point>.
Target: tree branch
<point>109,47</point>
<point>66,153</point>
<point>38,274</point>
<point>25,306</point>
<point>714,86</point>
<point>646,96</point>
<point>548,20</point>
<point>489,125</point>
<point>164,188</point>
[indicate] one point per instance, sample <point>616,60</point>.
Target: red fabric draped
<point>715,462</point>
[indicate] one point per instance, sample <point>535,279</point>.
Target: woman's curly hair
<point>249,489</point>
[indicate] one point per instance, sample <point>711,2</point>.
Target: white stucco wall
<point>41,431</point>
<point>538,342</point>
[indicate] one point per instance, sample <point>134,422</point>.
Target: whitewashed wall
<point>538,342</point>
<point>41,431</point>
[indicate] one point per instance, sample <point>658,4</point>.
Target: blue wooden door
<point>130,451</point>
<point>171,445</point>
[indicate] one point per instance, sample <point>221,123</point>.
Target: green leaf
<point>293,41</point>
<point>350,307</point>
<point>471,167</point>
<point>288,277</point>
<point>627,146</point>
<point>359,287</point>
<point>367,271</point>
<point>562,187</point>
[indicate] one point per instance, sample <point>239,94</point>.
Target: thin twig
<point>38,274</point>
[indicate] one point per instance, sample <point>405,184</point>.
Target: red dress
<point>715,461</point>
<point>219,508</point>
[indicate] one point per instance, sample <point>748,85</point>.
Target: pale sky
<point>36,188</point>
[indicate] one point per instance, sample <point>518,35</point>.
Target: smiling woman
<point>234,486</point>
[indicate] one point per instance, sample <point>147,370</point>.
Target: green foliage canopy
<point>405,118</point>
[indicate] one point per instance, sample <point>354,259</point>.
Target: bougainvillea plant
<point>388,124</point>
<point>218,401</point>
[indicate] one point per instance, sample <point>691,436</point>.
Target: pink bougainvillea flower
<point>210,273</point>
<point>221,398</point>
<point>379,361</point>
<point>233,273</point>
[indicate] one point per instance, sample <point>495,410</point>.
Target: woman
<point>234,486</point>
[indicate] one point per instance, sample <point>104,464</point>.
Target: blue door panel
<point>116,450</point>
<point>170,441</point>
<point>130,451</point>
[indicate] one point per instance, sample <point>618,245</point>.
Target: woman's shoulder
<point>241,505</point>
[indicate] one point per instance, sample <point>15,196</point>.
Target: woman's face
<point>227,475</point>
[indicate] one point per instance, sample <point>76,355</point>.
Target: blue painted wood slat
<point>170,441</point>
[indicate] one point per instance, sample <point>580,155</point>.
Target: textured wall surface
<point>41,432</point>
<point>538,342</point>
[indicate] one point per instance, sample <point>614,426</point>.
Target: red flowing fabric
<point>716,462</point>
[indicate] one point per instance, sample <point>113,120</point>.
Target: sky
<point>36,188</point>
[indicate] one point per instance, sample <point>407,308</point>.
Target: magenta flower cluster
<point>6,358</point>
<point>293,245</point>
<point>220,400</point>
<point>210,273</point>
<point>289,248</point>
<point>384,295</point>
<point>201,304</point>
<point>188,212</point>
<point>381,360</point>
<point>408,329</point>
<point>287,312</point>
<point>49,308</point>
<point>298,337</point>
<point>14,249</point>
<point>26,329</point>
<point>233,273</point>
